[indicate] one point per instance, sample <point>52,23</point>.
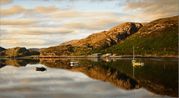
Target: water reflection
<point>41,69</point>
<point>159,76</point>
<point>17,62</point>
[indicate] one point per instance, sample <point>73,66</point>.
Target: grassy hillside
<point>159,37</point>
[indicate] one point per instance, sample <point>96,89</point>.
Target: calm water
<point>90,78</point>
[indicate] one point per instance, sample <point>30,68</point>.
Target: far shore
<point>120,56</point>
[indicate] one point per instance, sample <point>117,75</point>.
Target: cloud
<point>11,11</point>
<point>86,0</point>
<point>48,9</point>
<point>14,42</point>
<point>70,13</point>
<point>50,12</point>
<point>68,18</point>
<point>35,30</point>
<point>17,21</point>
<point>19,9</point>
<point>65,14</point>
<point>153,9</point>
<point>14,39</point>
<point>5,1</point>
<point>44,31</point>
<point>93,24</point>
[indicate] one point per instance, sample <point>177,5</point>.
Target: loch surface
<point>88,78</point>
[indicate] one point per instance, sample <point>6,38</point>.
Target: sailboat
<point>73,63</point>
<point>134,62</point>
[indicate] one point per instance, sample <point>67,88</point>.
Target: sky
<point>45,23</point>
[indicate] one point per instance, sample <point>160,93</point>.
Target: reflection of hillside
<point>159,88</point>
<point>159,77</point>
<point>17,63</point>
<point>2,63</point>
<point>56,63</point>
<point>108,74</point>
<point>95,71</point>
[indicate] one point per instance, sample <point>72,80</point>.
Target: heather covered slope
<point>96,41</point>
<point>159,37</point>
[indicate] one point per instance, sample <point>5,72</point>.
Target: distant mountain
<point>94,42</point>
<point>19,52</point>
<point>159,37</point>
<point>15,52</point>
<point>2,49</point>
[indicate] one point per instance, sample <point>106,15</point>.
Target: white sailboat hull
<point>135,63</point>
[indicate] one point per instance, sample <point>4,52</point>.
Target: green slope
<point>159,37</point>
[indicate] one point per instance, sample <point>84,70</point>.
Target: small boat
<point>74,63</point>
<point>41,69</point>
<point>136,63</point>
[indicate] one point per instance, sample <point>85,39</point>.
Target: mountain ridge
<point>95,41</point>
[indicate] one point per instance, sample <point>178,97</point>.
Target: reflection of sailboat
<point>107,59</point>
<point>74,63</point>
<point>134,62</point>
<point>41,69</point>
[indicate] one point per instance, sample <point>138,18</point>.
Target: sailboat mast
<point>133,71</point>
<point>133,53</point>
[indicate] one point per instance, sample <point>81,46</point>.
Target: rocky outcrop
<point>159,25</point>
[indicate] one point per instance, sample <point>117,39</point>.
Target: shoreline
<point>120,56</point>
